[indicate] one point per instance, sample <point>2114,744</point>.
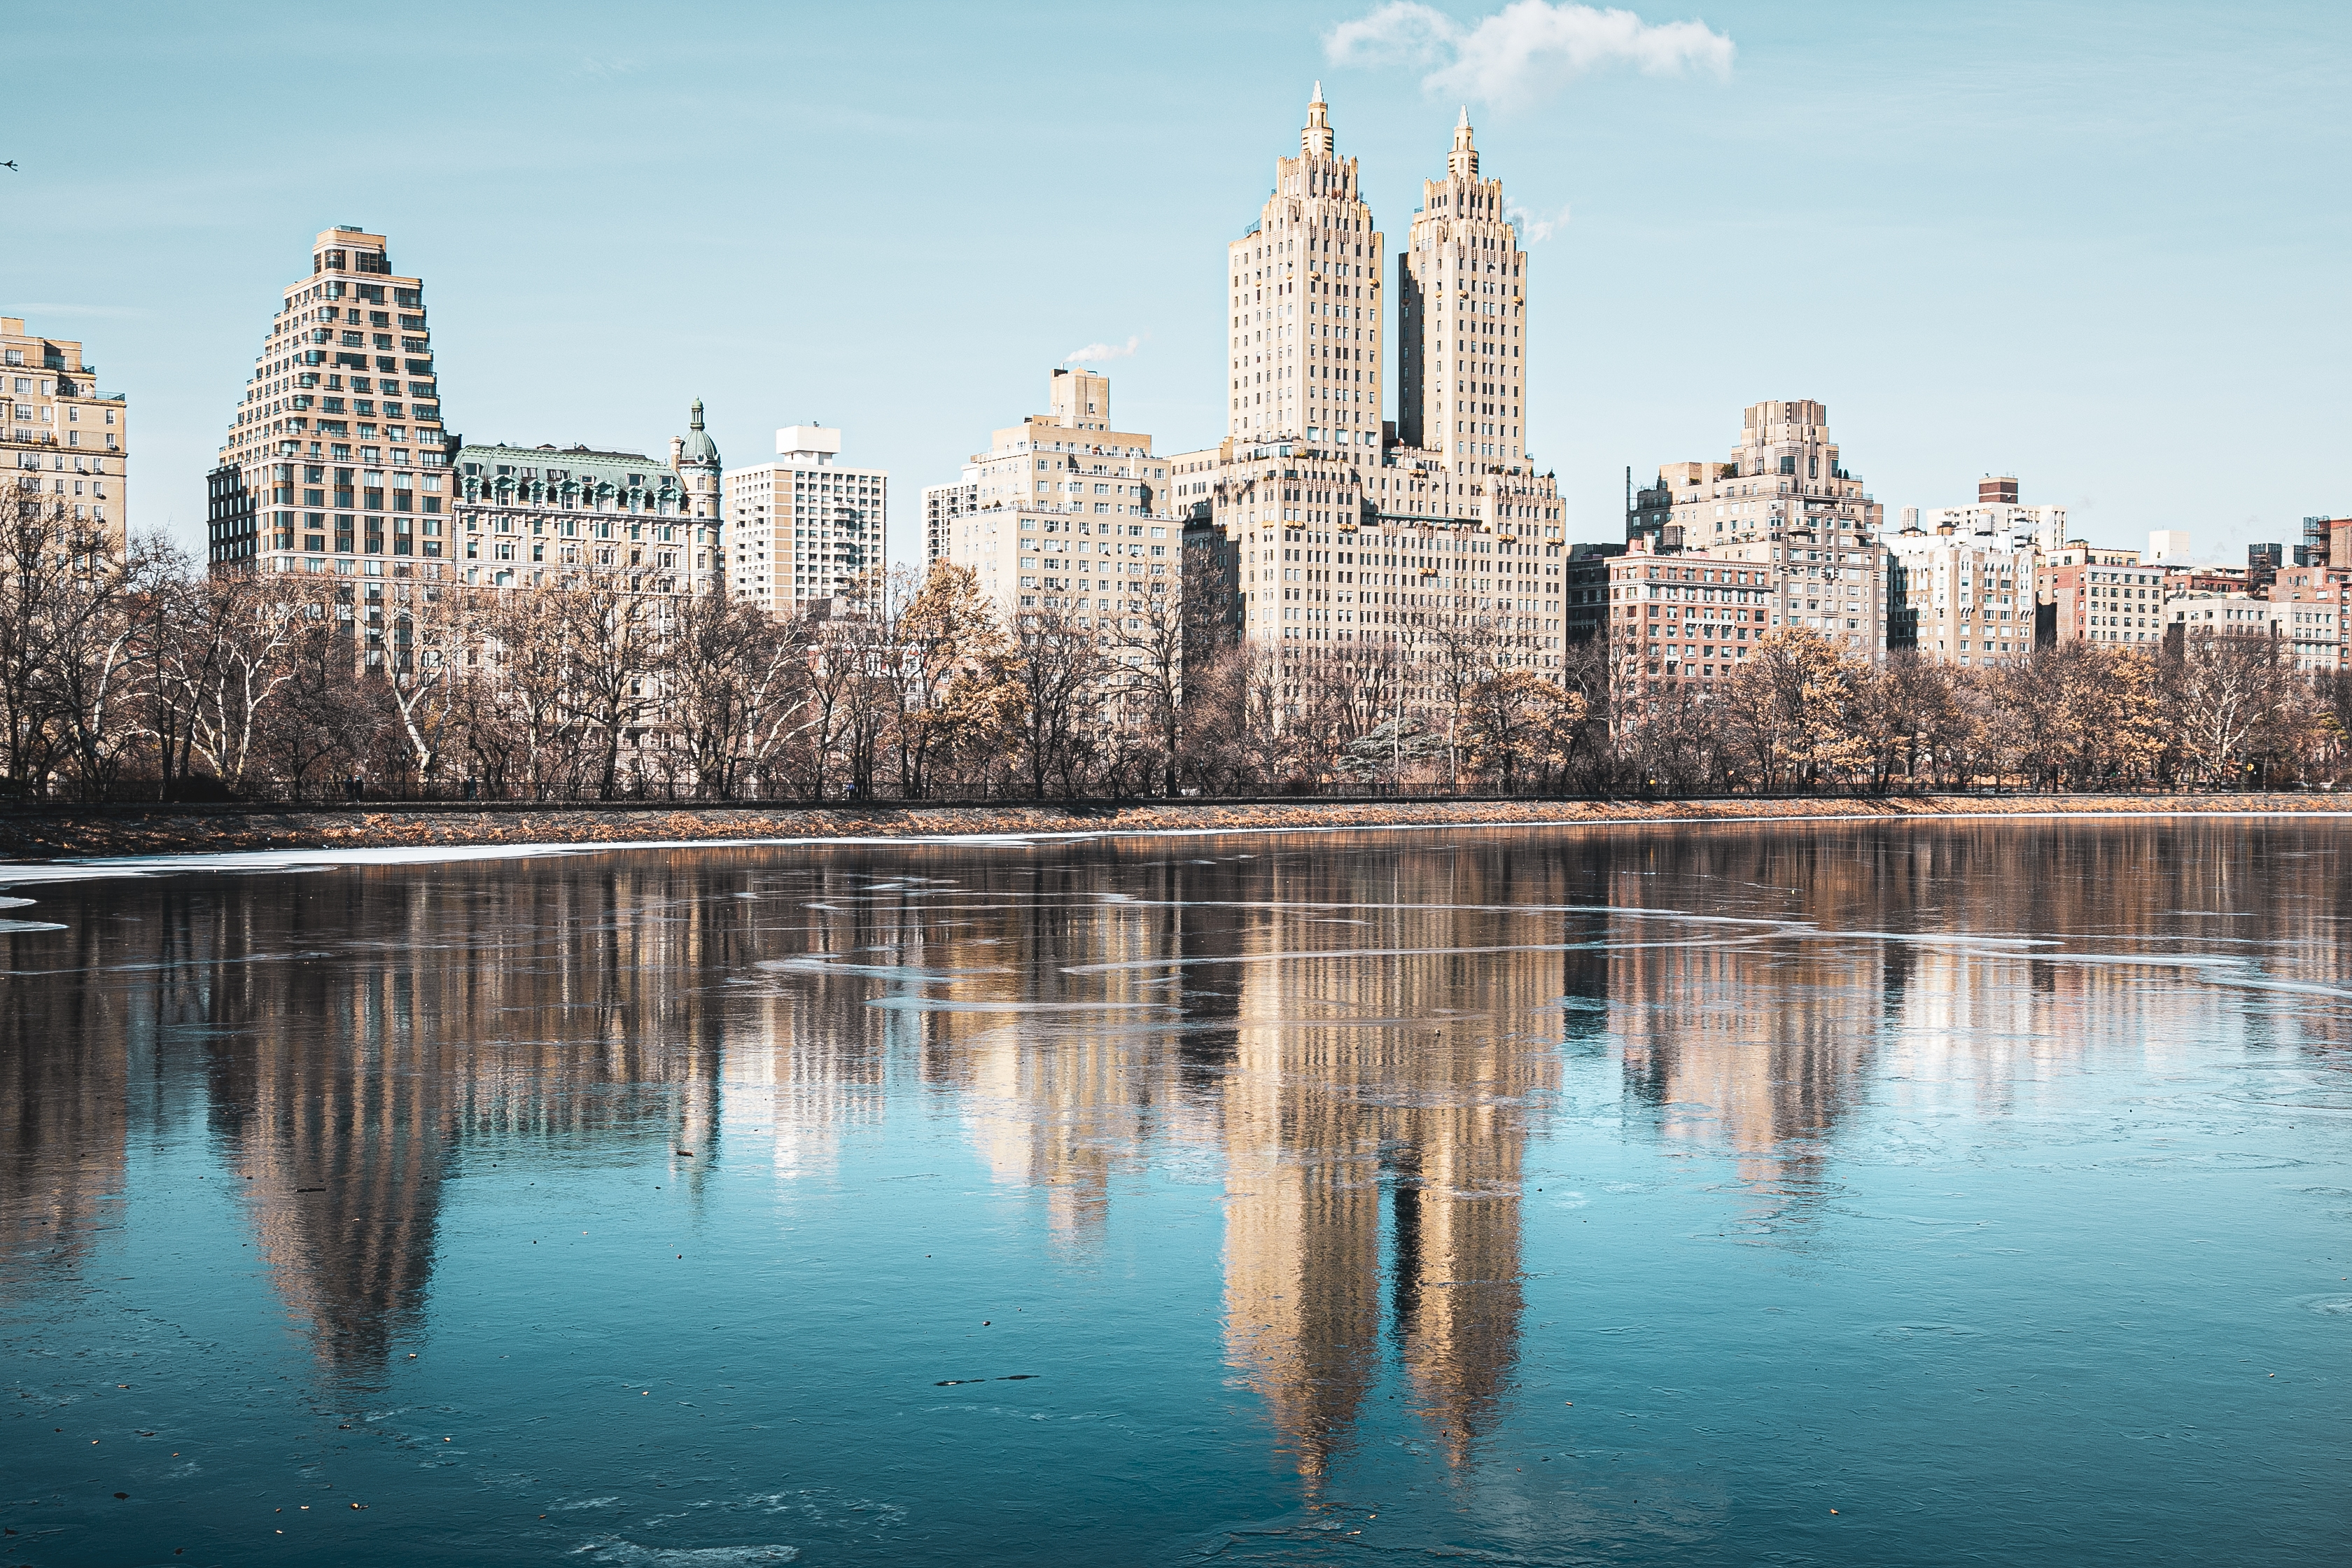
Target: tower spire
<point>1316,140</point>
<point>1462,163</point>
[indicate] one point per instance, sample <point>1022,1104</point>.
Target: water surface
<point>1824,1192</point>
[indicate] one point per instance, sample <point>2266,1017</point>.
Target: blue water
<point>1829,1193</point>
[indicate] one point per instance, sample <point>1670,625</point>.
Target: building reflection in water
<point>1358,1035</point>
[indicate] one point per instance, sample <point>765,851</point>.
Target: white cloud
<point>1398,33</point>
<point>1534,230</point>
<point>1096,354</point>
<point>1525,51</point>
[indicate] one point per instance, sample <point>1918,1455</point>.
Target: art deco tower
<point>1303,348</point>
<point>336,457</point>
<point>1462,325</point>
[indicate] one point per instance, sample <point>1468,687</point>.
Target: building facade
<point>1304,340</point>
<point>338,444</point>
<point>1961,599</point>
<point>2103,597</point>
<point>550,517</point>
<point>1070,514</point>
<point>2307,633</point>
<point>2329,587</point>
<point>1694,616</point>
<point>63,439</point>
<point>1997,513</point>
<point>804,528</point>
<point>1784,475</point>
<point>942,504</point>
<point>1462,318</point>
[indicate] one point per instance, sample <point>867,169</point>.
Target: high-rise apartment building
<point>1997,513</point>
<point>337,454</point>
<point>1303,342</point>
<point>63,438</point>
<point>1070,514</point>
<point>1961,580</point>
<point>537,517</point>
<point>942,504</point>
<point>1784,475</point>
<point>1961,599</point>
<point>803,529</point>
<point>1781,536</point>
<point>1339,532</point>
<point>1462,318</point>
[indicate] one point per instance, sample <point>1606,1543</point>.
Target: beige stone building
<point>1344,535</point>
<point>1462,319</point>
<point>1069,513</point>
<point>337,456</point>
<point>1783,475</point>
<point>1961,590</point>
<point>1781,536</point>
<point>804,528</point>
<point>63,438</point>
<point>1961,599</point>
<point>1303,344</point>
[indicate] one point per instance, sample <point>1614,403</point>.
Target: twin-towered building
<point>1334,524</point>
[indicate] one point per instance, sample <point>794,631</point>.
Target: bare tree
<point>1061,670</point>
<point>2231,698</point>
<point>731,680</point>
<point>72,608</point>
<point>960,693</point>
<point>228,659</point>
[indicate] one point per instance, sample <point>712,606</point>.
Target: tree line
<point>133,673</point>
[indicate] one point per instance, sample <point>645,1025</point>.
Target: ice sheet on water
<point>940,1005</point>
<point>817,963</point>
<point>613,1549</point>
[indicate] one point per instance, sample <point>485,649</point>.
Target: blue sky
<point>2104,246</point>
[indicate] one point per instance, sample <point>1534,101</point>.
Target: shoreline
<point>32,837</point>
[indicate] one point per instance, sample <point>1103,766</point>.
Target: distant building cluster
<point>1336,527</point>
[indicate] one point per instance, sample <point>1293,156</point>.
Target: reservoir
<point>1831,1193</point>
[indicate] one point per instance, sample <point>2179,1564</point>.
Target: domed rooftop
<point>699,448</point>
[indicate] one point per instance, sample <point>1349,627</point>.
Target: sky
<point>2103,246</point>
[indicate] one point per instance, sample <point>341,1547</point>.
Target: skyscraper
<point>1303,347</point>
<point>336,449</point>
<point>1462,330</point>
<point>1309,489</point>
